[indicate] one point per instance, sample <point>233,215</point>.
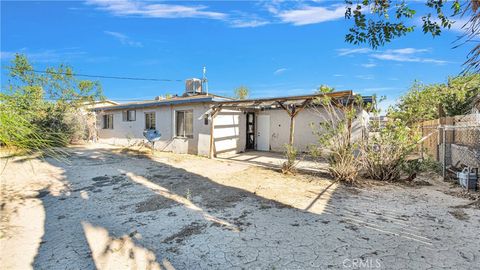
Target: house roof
<point>177,100</point>
<point>228,102</point>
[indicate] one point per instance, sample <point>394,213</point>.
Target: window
<point>150,120</point>
<point>129,115</point>
<point>108,121</point>
<point>184,124</point>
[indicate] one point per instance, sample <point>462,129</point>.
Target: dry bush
<point>290,166</point>
<point>383,154</point>
<point>334,134</point>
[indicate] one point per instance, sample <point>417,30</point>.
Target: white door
<point>263,132</point>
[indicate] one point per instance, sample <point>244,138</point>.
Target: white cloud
<point>458,24</point>
<point>398,55</point>
<point>369,65</point>
<point>455,27</point>
<point>156,10</point>
<point>390,56</point>
<point>338,75</point>
<point>279,71</point>
<point>345,52</point>
<point>407,51</point>
<point>240,23</point>
<point>310,14</point>
<point>124,39</point>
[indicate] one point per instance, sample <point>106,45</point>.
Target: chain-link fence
<point>452,141</point>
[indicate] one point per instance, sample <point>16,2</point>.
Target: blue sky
<point>275,48</point>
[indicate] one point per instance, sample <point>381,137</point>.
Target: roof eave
<point>155,104</point>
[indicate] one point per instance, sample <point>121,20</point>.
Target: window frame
<point>154,120</point>
<point>108,121</point>
<point>184,135</point>
<point>126,115</point>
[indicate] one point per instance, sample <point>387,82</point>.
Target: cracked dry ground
<point>112,209</point>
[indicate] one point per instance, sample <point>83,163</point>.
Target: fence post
<point>444,170</point>
<point>421,146</point>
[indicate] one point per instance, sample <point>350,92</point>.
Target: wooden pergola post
<point>214,113</point>
<point>292,126</point>
<point>293,112</point>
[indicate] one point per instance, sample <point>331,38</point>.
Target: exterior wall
<point>125,132</point>
<point>230,131</point>
<point>303,134</point>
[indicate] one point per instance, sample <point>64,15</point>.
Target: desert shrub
<point>430,165</point>
<point>334,134</point>
<point>414,166</point>
<point>290,165</point>
<point>384,154</point>
<point>343,166</point>
<point>39,111</point>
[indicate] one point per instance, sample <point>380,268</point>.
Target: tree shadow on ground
<point>124,209</point>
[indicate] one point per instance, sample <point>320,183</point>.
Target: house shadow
<point>133,211</point>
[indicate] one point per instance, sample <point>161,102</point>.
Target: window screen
<point>108,121</point>
<point>150,120</point>
<point>184,124</point>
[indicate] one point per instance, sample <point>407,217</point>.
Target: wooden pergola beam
<point>340,94</point>
<point>284,107</point>
<point>293,112</point>
<point>304,104</point>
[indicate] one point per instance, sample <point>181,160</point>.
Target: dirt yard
<point>113,209</point>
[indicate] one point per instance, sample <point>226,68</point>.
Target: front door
<point>250,131</point>
<point>263,132</point>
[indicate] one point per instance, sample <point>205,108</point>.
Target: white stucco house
<point>206,124</point>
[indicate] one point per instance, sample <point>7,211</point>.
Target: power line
<point>103,76</point>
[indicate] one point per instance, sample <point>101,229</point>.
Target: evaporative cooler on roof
<point>193,86</point>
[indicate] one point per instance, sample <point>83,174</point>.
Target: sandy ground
<point>113,209</point>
